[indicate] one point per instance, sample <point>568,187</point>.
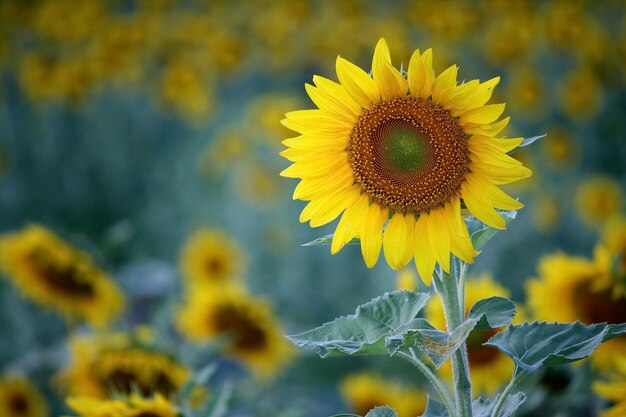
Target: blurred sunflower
<point>364,391</point>
<point>211,257</point>
<point>119,364</point>
<point>573,288</point>
<point>405,150</point>
<point>252,334</point>
<point>614,390</point>
<point>489,368</point>
<point>134,406</point>
<point>54,274</point>
<point>406,280</point>
<point>598,199</point>
<point>19,398</point>
<point>610,253</point>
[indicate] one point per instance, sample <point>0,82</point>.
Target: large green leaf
<point>364,332</point>
<point>492,313</point>
<point>484,407</point>
<point>480,233</point>
<point>533,345</point>
<point>435,409</point>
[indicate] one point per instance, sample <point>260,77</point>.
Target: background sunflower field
<point>149,247</point>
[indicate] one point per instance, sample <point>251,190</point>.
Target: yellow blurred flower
<point>119,363</point>
<point>527,92</point>
<point>614,389</point>
<point>489,368</point>
<point>610,253</point>
<point>259,186</point>
<point>53,274</point>
<point>546,213</point>
<point>449,21</point>
<point>68,20</point>
<point>186,91</point>
<point>364,391</point>
<point>580,94</point>
<point>560,149</point>
<point>211,257</point>
<point>266,113</point>
<point>19,398</point>
<point>407,280</point>
<point>508,38</point>
<point>229,148</point>
<point>249,330</point>
<point>598,199</point>
<point>134,406</point>
<point>573,288</point>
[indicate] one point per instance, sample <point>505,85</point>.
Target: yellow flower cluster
<point>133,406</point>
<point>20,398</point>
<point>218,307</point>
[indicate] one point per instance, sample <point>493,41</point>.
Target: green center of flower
<point>405,150</point>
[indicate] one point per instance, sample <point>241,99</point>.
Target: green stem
<point>432,378</point>
<point>450,288</point>
<point>519,376</point>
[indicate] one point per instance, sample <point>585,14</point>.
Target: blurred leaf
<point>481,233</point>
<point>218,406</point>
<point>533,345</point>
<point>199,378</point>
<point>484,408</point>
<point>382,412</point>
<point>492,313</point>
<point>435,409</point>
<point>364,332</point>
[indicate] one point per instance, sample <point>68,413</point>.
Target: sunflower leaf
<point>382,412</point>
<point>492,313</point>
<point>484,408</point>
<point>436,344</point>
<point>537,344</point>
<point>435,409</point>
<point>480,233</point>
<point>530,141</point>
<point>364,332</point>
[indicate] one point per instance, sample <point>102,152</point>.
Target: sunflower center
<point>408,154</point>
<point>215,266</point>
<point>18,405</point>
<point>247,335</point>
<point>599,307</point>
<point>68,279</point>
<point>476,352</point>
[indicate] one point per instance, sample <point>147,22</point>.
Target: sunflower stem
<point>441,389</point>
<point>451,289</point>
<point>519,376</point>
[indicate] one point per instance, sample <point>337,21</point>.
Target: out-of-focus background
<point>129,127</point>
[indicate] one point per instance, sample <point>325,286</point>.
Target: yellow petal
<point>478,97</point>
<point>398,241</point>
<point>444,83</point>
<point>439,237</point>
<point>424,258</point>
<point>486,130</point>
<point>429,73</point>
<point>308,189</point>
<point>416,74</point>
<point>350,223</point>
<point>493,157</point>
<point>316,123</point>
<point>481,207</point>
<point>460,241</point>
<point>316,165</point>
<point>372,233</point>
<point>483,115</point>
<point>358,84</point>
<point>501,145</point>
<point>460,96</point>
<point>388,79</point>
<point>500,175</point>
<point>333,206</point>
<point>498,198</point>
<point>333,89</point>
<point>331,104</point>
<point>315,144</point>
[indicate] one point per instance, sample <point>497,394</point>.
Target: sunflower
<point>614,389</point>
<point>408,150</point>
<point>54,274</point>
<point>598,199</point>
<point>120,364</point>
<point>574,288</point>
<point>19,398</point>
<point>610,253</point>
<point>134,406</point>
<point>252,333</point>
<point>489,368</point>
<point>210,257</point>
<point>364,391</point>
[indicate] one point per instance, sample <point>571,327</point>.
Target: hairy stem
<point>519,376</point>
<point>432,378</point>
<point>451,289</point>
